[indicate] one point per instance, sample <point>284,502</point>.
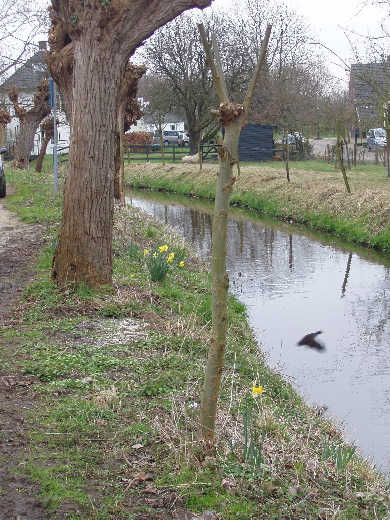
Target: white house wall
<point>12,129</point>
<point>149,127</point>
<point>63,133</point>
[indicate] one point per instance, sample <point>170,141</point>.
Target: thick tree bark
<point>102,37</point>
<point>29,121</point>
<point>195,136</point>
<point>83,253</point>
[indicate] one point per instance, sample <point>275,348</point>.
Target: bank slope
<point>317,199</point>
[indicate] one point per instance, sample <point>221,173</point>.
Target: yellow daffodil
<point>155,255</point>
<point>257,390</point>
<point>146,252</point>
<point>171,256</point>
<point>181,264</point>
<point>163,248</point>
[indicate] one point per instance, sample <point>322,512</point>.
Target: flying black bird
<point>310,341</point>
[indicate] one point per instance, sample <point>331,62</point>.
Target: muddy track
<point>19,246</point>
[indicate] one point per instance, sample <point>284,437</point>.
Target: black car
<point>3,187</point>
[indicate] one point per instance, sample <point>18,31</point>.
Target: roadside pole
<point>53,105</point>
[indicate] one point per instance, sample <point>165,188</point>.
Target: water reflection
<point>293,282</point>
<point>345,281</point>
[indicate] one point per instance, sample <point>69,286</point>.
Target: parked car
<point>170,137</point>
<point>185,139</point>
<point>294,138</point>
<point>376,137</point>
<point>3,187</point>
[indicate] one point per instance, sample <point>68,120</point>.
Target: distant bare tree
<point>291,32</point>
<point>47,128</point>
<point>293,73</point>
<point>159,99</point>
<point>175,54</point>
<point>296,75</point>
<point>158,102</point>
<point>29,120</point>
<point>290,98</point>
<point>5,118</point>
<point>341,110</point>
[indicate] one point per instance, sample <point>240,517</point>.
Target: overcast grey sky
<point>331,18</point>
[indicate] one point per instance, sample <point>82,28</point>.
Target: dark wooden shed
<point>256,143</point>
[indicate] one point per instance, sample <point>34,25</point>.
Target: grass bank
<point>115,378</point>
<point>316,195</point>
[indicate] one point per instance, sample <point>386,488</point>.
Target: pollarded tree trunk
<point>60,59</point>
<point>83,253</point>
<point>102,37</point>
<point>29,121</point>
<point>195,136</point>
<point>48,129</point>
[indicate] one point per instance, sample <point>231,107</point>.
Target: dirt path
<point>19,244</point>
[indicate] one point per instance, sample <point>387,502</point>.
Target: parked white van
<point>376,137</point>
<point>170,137</point>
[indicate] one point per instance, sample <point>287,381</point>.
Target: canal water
<point>293,282</point>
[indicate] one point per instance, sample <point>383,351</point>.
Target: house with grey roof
<point>26,79</point>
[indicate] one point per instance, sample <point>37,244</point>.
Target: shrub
<point>138,139</point>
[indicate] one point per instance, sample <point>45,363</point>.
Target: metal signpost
<point>53,105</point>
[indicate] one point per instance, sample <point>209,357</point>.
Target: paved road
<point>320,145</point>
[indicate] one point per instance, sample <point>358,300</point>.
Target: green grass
<point>116,377</point>
<point>35,200</point>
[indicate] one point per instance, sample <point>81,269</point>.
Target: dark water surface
<point>293,282</point>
